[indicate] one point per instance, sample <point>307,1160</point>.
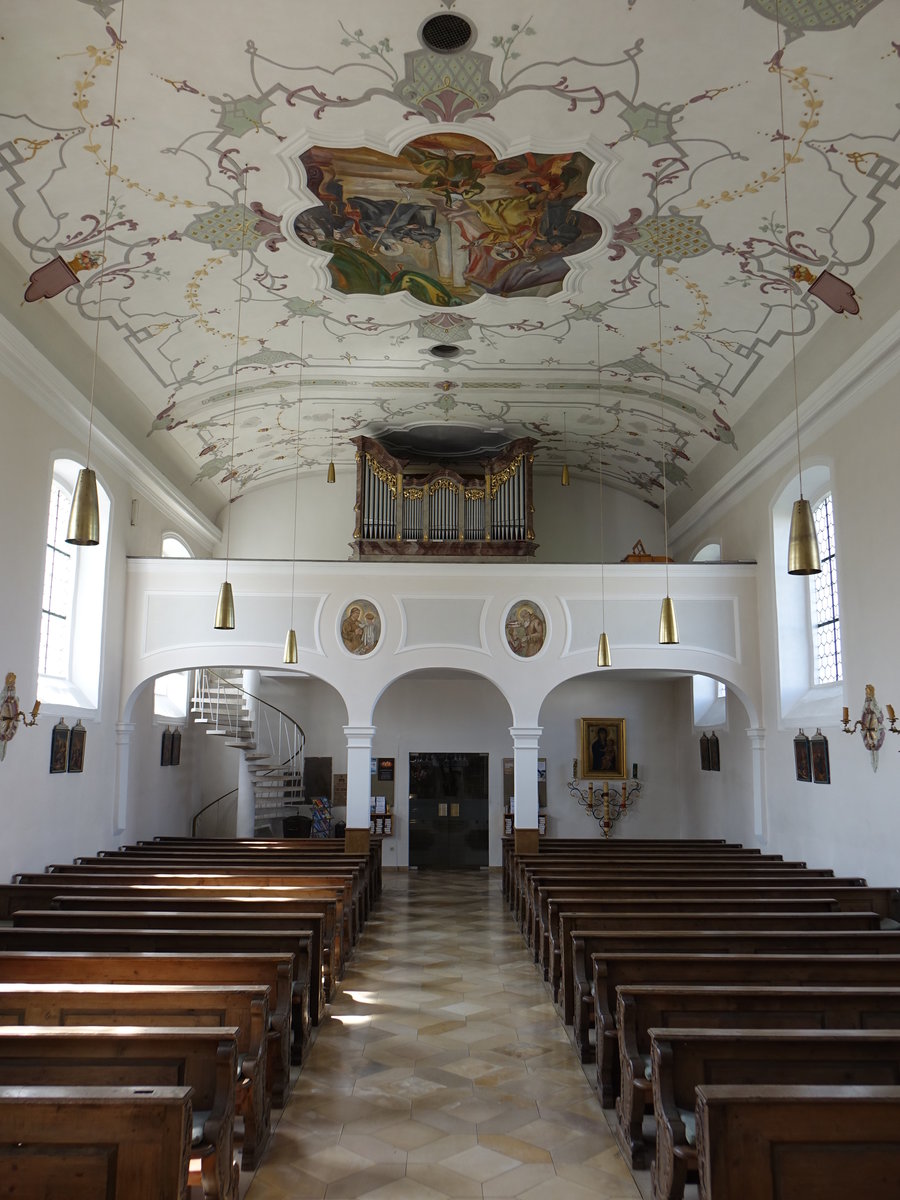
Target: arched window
<point>808,629</point>
<point>708,694</point>
<point>171,693</point>
<point>72,605</point>
<point>174,547</point>
<point>826,620</point>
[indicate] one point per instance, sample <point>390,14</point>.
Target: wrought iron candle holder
<point>606,804</point>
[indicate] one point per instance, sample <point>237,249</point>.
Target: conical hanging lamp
<point>604,658</point>
<point>564,477</point>
<point>330,477</point>
<point>225,606</point>
<point>803,545</point>
<point>290,642</point>
<point>668,626</point>
<point>84,515</point>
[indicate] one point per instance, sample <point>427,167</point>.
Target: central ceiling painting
<point>446,220</point>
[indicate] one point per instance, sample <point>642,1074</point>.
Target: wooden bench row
<point>681,990</point>
<point>103,943</point>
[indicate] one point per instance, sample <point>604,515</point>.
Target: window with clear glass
<point>174,547</point>
<point>827,667</point>
<point>59,578</point>
<point>72,602</point>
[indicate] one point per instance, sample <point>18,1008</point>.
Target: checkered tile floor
<point>442,1069</point>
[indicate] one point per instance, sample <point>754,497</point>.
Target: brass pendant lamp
<point>290,642</point>
<point>330,477</point>
<point>603,656</point>
<point>225,605</point>
<point>84,515</point>
<point>564,477</point>
<point>668,626</point>
<point>803,545</point>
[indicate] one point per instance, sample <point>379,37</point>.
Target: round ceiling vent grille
<point>442,350</point>
<point>446,33</point>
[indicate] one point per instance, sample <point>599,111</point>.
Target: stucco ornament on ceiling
<point>377,217</point>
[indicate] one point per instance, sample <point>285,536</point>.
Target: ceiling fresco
<point>445,220</point>
<point>540,200</point>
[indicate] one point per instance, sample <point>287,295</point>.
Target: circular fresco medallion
<point>526,628</point>
<point>360,627</point>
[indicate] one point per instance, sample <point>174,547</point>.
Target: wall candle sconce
<point>11,714</point>
<point>606,804</point>
<point>870,724</point>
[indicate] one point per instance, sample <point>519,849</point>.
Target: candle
<point>846,716</point>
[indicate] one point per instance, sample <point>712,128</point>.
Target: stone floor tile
<point>442,1069</point>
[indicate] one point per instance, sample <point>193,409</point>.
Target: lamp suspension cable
<point>84,515</point>
<point>668,626</point>
<point>803,545</point>
<point>290,642</point>
<point>603,655</point>
<point>564,478</point>
<point>225,605</point>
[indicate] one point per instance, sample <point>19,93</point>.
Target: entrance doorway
<point>448,810</point>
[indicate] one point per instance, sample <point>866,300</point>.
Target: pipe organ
<point>447,509</point>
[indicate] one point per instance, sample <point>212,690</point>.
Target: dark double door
<point>448,811</point>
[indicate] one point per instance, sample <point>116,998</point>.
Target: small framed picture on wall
<point>802,758</point>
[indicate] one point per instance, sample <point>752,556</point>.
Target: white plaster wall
<point>852,825</point>
<point>452,711</point>
<point>567,520</point>
<point>49,818</point>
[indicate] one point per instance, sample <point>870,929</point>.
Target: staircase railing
<point>286,744</point>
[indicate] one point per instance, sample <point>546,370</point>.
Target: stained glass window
<point>827,666</point>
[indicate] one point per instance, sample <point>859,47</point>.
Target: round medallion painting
<point>360,627</point>
<point>526,628</point>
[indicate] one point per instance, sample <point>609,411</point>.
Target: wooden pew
<point>583,868</point>
<point>290,924</point>
<point>272,972</point>
<point>204,1060</point>
<point>211,900</point>
<point>613,968</point>
<point>165,877</point>
<point>50,893</point>
<point>586,943</point>
<point>333,848</point>
<point>550,847</point>
<point>770,1142</point>
<point>883,901</point>
<point>680,876</point>
<point>186,940</point>
<point>350,875</point>
<point>572,984</point>
<point>90,1142</point>
<point>642,1007</point>
<point>241,1009</point>
<point>682,1059</point>
<point>550,941</point>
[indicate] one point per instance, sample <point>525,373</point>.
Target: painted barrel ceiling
<point>320,227</point>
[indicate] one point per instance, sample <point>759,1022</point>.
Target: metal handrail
<point>294,745</point>
<point>197,815</point>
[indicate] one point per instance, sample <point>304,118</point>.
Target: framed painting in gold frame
<point>602,741</point>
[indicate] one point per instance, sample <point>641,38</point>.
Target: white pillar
<point>526,743</point>
<point>124,730</point>
<point>359,774</point>
<point>760,802</point>
<point>245,822</point>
